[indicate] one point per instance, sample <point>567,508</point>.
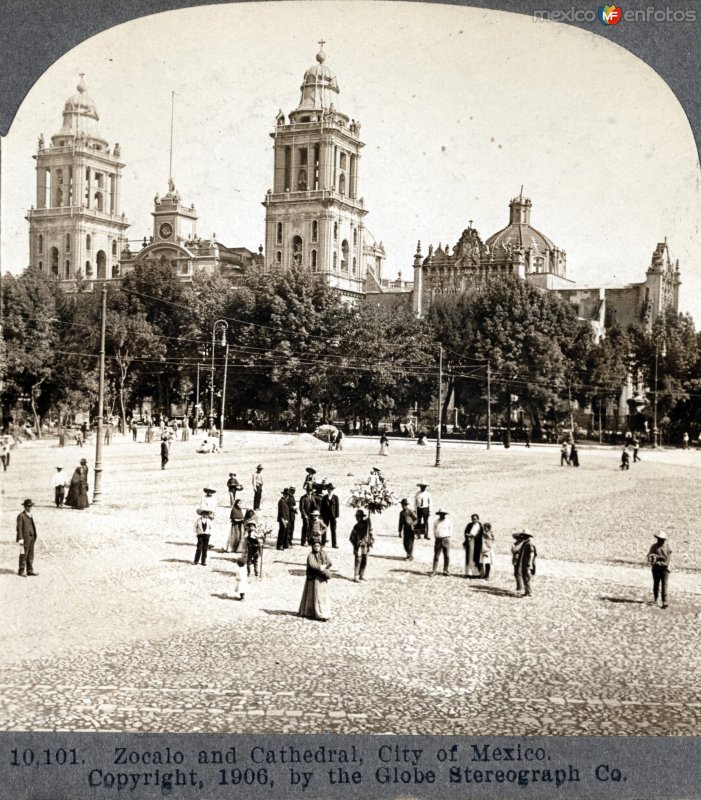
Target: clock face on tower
<point>166,230</point>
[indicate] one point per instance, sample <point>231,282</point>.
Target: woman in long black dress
<point>315,598</point>
<point>78,490</point>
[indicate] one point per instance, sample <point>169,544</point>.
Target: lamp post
<point>655,430</point>
<point>225,327</point>
<point>440,405</point>
<point>97,478</point>
<point>225,342</point>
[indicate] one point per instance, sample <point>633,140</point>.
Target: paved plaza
<point>121,632</point>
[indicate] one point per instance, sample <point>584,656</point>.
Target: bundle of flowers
<point>324,432</point>
<point>373,499</point>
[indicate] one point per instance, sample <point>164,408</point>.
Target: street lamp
<point>655,431</point>
<point>225,327</point>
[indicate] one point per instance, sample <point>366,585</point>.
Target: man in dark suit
<point>306,505</point>
<point>283,520</point>
<point>292,503</point>
<point>26,536</point>
<point>330,509</point>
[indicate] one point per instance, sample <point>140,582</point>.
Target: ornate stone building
<point>314,212</point>
<point>175,241</point>
<point>77,228</point>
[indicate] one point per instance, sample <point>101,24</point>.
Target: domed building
<point>77,228</point>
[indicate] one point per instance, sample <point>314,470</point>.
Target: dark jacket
<point>26,529</point>
<point>330,508</point>
<point>658,555</point>
<point>407,520</point>
<point>283,510</point>
<point>307,504</point>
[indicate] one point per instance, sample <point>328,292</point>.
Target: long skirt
<point>235,536</point>
<point>472,570</point>
<point>77,495</point>
<point>315,600</point>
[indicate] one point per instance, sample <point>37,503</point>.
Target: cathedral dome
<point>519,234</point>
<point>319,87</point>
<point>81,102</point>
<point>80,118</point>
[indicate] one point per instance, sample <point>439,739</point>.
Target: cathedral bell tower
<point>314,215</point>
<point>77,228</point>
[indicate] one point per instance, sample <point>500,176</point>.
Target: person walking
<point>26,537</point>
<point>422,505</point>
<point>59,483</point>
<point>203,530</point>
<point>362,541</point>
<point>165,453</point>
<point>625,458</point>
<point>283,520</point>
<point>292,503</point>
<point>330,510</point>
<point>236,530</point>
<point>636,447</point>
<point>257,480</point>
<point>486,556</point>
<point>442,531</point>
<point>252,547</point>
<point>78,490</point>
<point>658,557</point>
<point>384,445</point>
<point>339,440</point>
<point>564,455</point>
<point>523,556</point>
<point>473,547</point>
<point>574,455</point>
<point>407,529</point>
<point>315,597</point>
<point>233,486</point>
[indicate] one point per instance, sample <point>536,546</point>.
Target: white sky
<point>459,107</point>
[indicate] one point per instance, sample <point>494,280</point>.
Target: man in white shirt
<point>442,531</point>
<point>59,483</point>
<point>422,504</point>
<point>257,481</point>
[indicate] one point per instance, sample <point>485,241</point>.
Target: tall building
<point>314,212</point>
<point>77,228</point>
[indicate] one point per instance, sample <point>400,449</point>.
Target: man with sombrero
<point>26,536</point>
<point>523,556</point>
<point>257,481</point>
<point>658,558</point>
<point>422,504</point>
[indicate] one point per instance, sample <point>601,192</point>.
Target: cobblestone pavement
<point>121,632</point>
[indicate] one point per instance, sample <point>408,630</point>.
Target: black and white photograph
<point>350,383</point>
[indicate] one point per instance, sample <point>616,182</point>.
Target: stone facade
<point>77,228</point>
<point>314,212</point>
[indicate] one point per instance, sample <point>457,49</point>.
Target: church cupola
<point>520,210</point>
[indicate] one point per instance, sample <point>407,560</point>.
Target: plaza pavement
<point>121,632</point>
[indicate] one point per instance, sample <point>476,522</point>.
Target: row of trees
<point>297,353</point>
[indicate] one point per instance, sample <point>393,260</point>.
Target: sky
<point>459,108</point>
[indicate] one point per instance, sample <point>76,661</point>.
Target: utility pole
<point>223,393</point>
<point>489,405</point>
<point>97,483</point>
<point>569,398</point>
<point>440,405</point>
<point>196,415</point>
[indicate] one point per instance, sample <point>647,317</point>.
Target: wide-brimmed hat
<point>260,466</point>
<point>27,503</point>
<point>422,485</point>
<point>523,532</point>
<point>250,523</point>
<point>292,490</point>
<point>59,466</point>
<point>311,470</point>
<point>442,512</point>
<point>285,491</point>
<point>209,490</point>
<point>404,501</point>
<point>330,486</point>
<point>660,535</point>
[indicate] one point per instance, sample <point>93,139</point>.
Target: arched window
<point>67,273</point>
<point>314,260</point>
<point>335,230</point>
<point>355,267</point>
<point>88,269</point>
<point>54,261</point>
<point>68,243</point>
<point>114,248</point>
<point>355,237</point>
<point>302,180</point>
<point>297,250</point>
<point>344,256</point>
<point>98,201</point>
<point>41,244</point>
<point>342,184</point>
<point>315,231</point>
<point>41,265</point>
<point>101,265</point>
<point>88,242</point>
<point>342,161</point>
<point>278,256</point>
<point>278,235</point>
<point>335,261</point>
<point>115,270</point>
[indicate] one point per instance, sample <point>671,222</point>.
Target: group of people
<point>633,445</point>
<point>569,455</point>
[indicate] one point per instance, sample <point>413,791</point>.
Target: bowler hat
<point>260,466</point>
<point>360,513</point>
<point>405,502</point>
<point>330,486</point>
<point>27,503</point>
<point>83,461</point>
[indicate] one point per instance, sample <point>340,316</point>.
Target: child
<point>252,547</point>
<point>233,486</point>
<point>241,576</point>
<point>625,458</point>
<point>203,530</point>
